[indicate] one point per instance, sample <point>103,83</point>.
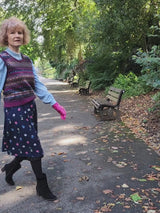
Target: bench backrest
<point>115,95</point>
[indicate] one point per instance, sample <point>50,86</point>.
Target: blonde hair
<point>12,23</point>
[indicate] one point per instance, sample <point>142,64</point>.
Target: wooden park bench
<point>109,109</point>
<point>85,89</point>
<point>75,82</point>
<point>70,79</point>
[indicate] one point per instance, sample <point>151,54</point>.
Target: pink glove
<point>60,110</point>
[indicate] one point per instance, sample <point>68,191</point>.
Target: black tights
<point>36,165</point>
<point>37,168</point>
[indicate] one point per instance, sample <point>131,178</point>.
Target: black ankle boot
<point>10,169</point>
<point>43,189</point>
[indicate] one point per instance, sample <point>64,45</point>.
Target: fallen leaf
<point>142,180</point>
<point>135,197</point>
<point>59,209</point>
<point>60,153</point>
<point>83,178</point>
<point>125,186</point>
<point>133,178</point>
<point>99,168</point>
<point>59,178</point>
<point>133,190</point>
<point>66,160</point>
<point>121,196</point>
<point>109,159</point>
<point>120,164</point>
<point>157,189</point>
<point>152,177</point>
<point>156,167</point>
<point>114,151</point>
<point>18,188</point>
<point>115,148</point>
<point>97,211</point>
<point>108,207</point>
<point>50,168</point>
<point>127,207</point>
<point>107,191</point>
<point>80,198</point>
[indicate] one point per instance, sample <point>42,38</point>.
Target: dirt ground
<point>92,166</point>
<point>143,118</point>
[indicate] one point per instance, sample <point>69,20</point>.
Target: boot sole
<point>49,199</point>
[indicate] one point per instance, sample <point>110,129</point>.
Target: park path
<point>92,166</point>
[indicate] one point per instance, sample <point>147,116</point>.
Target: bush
<point>66,74</point>
<point>156,97</point>
<point>132,85</point>
<point>150,63</point>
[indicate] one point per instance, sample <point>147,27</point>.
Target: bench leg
<point>95,110</point>
<point>83,91</point>
<point>109,114</point>
<point>80,91</point>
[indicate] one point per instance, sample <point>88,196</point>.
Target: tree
<point>122,27</point>
<point>63,25</point>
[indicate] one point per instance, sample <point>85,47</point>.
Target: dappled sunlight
<point>81,152</point>
<point>54,82</point>
<point>45,114</point>
<point>63,140</point>
<point>45,119</point>
<point>67,127</point>
<point>12,199</point>
<point>61,129</point>
<point>62,91</point>
<point>71,140</point>
<point>49,82</point>
<point>51,117</point>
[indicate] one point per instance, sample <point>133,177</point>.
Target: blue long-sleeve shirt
<point>40,89</point>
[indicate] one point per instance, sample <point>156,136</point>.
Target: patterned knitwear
<point>19,86</point>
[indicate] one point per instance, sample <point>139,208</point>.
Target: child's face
<point>15,38</point>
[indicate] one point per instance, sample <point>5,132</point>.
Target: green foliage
<point>64,26</point>
<point>150,63</point>
<point>132,85</point>
<point>60,69</point>
<point>66,74</point>
<point>121,27</point>
<point>156,106</point>
<point>102,71</point>
<point>44,68</point>
<point>49,73</point>
<point>83,77</point>
<point>68,69</point>
<point>156,97</point>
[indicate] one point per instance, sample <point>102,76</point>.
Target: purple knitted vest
<point>19,84</point>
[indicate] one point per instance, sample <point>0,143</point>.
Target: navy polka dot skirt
<point>20,132</point>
